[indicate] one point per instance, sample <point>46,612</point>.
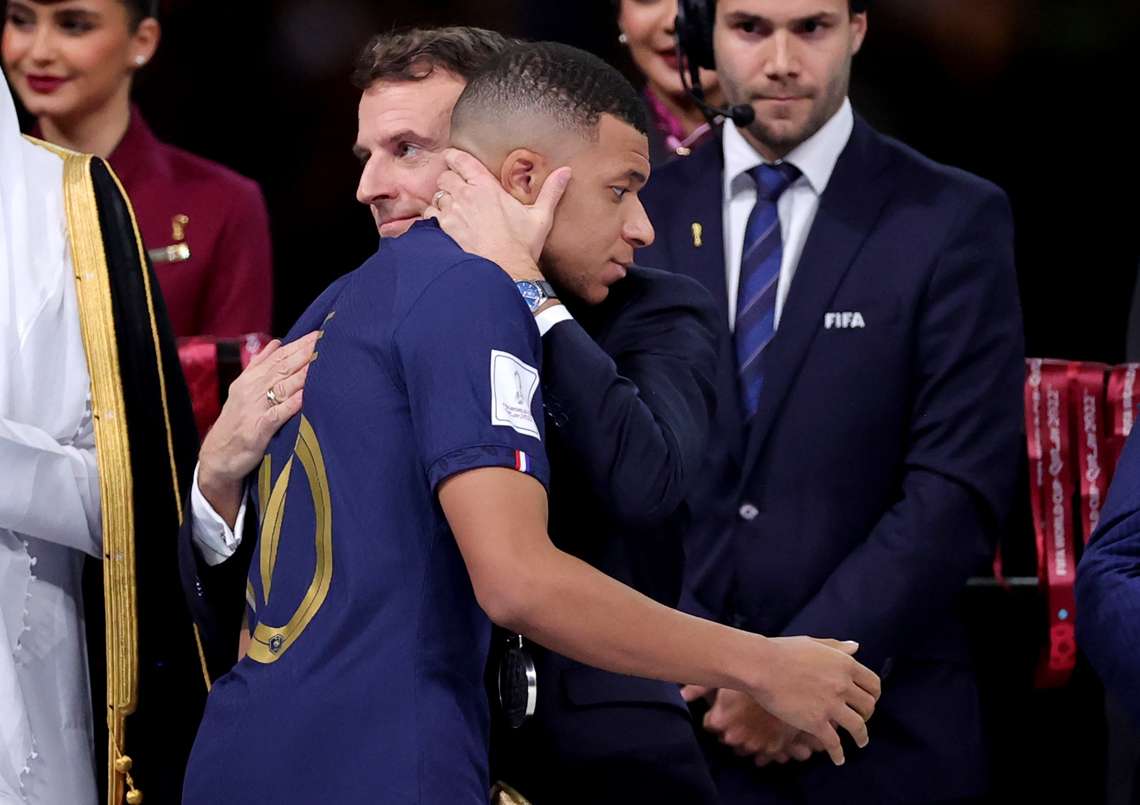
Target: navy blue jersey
<point>364,682</point>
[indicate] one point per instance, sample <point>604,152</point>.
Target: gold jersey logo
<point>270,642</point>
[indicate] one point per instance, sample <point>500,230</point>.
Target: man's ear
<point>522,174</point>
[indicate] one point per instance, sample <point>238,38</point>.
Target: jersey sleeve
<point>470,356</point>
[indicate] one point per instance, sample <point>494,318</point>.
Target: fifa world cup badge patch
<point>513,384</point>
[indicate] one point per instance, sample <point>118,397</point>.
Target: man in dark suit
<point>864,452</point>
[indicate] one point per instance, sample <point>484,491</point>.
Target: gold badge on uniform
<point>178,251</point>
<point>698,235</point>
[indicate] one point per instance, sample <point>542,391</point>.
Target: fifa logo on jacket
<point>845,320</point>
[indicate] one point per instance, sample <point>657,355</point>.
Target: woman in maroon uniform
<point>72,63</point>
<point>678,125</point>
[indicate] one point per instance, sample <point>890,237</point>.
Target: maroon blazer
<point>224,286</point>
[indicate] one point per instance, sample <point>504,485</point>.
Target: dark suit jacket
<point>628,388</point>
<point>1108,587</point>
<point>883,460</point>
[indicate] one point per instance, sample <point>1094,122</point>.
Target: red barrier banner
<point>210,364</point>
<point>1052,474</point>
<point>1087,396</point>
<point>199,359</point>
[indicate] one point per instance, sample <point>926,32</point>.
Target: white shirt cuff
<point>550,317</point>
<point>214,539</point>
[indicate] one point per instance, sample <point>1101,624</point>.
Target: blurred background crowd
<point>1031,94</point>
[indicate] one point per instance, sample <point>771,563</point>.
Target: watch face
<point>531,294</point>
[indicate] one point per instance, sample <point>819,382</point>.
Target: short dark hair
<point>413,54</point>
<point>573,87</point>
<point>139,10</point>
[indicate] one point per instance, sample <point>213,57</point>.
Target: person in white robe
<point>49,487</point>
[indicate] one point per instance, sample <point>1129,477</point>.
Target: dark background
<point>1035,95</point>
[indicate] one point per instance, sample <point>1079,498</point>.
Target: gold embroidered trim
<point>271,527</point>
<point>152,320</point>
<point>202,657</point>
<point>112,449</point>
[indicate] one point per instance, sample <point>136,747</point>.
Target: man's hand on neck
<point>484,219</point>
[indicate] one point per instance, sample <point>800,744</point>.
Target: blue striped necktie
<point>759,276</point>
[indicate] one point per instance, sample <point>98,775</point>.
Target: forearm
<point>637,426</point>
<point>216,537</point>
<point>630,457</point>
<point>522,581</point>
<point>224,495</point>
<point>51,489</point>
<point>573,609</point>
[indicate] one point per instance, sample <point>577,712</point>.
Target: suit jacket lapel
<point>696,229</point>
<point>848,210</point>
<point>687,212</point>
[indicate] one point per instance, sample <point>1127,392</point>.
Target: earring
<point>140,61</point>
<point>623,38</point>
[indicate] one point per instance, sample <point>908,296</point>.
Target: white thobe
<point>49,488</point>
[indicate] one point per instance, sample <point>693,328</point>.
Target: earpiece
<point>694,26</point>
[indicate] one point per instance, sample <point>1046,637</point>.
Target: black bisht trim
<point>172,690</point>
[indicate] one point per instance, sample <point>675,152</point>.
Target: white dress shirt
<point>816,158</point>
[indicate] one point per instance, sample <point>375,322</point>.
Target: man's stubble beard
<point>820,114</point>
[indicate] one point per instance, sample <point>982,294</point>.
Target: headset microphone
<point>742,115</point>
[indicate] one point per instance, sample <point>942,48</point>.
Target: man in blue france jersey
<point>403,508</point>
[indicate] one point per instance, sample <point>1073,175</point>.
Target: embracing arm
<point>213,554</point>
<point>638,423</point>
<point>524,583</point>
<point>236,443</point>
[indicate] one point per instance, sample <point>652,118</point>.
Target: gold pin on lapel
<point>178,227</point>
<point>180,249</point>
<point>698,232</point>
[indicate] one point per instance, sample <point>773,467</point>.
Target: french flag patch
<point>522,461</point>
